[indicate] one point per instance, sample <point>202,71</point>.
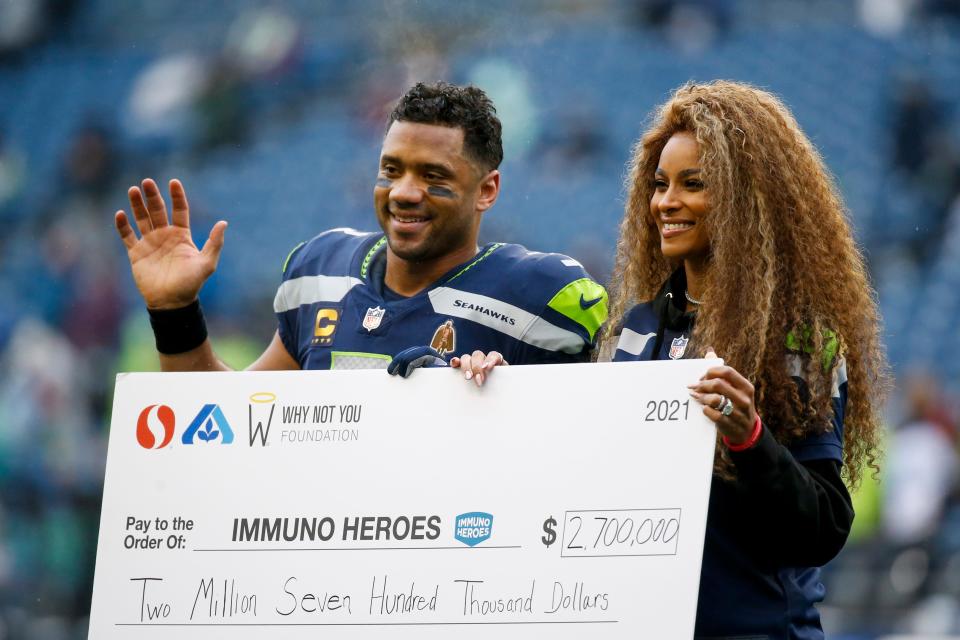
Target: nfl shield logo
<point>373,318</point>
<point>677,347</point>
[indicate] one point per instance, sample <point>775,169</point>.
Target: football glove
<point>413,358</point>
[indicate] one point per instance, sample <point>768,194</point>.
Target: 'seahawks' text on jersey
<point>334,312</point>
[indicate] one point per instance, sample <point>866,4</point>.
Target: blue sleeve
<point>829,445</point>
<point>288,317</point>
<point>573,310</point>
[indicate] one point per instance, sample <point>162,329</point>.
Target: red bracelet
<point>752,440</point>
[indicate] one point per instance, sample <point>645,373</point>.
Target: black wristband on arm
<point>178,330</point>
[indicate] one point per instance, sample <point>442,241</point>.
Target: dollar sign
<point>551,536</point>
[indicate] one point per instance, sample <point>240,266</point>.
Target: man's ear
<point>489,190</point>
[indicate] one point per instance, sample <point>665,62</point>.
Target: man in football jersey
<point>350,299</point>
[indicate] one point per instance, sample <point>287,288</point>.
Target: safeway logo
<point>154,425</point>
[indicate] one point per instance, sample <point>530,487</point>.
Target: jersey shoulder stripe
<point>634,343</point>
<point>309,289</point>
<point>551,285</point>
<point>506,318</point>
<point>638,328</point>
<point>322,269</point>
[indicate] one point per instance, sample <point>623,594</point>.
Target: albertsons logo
<point>473,528</point>
<point>209,425</point>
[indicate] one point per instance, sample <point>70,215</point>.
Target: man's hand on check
<point>404,363</point>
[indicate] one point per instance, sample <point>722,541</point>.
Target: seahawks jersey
<point>335,313</point>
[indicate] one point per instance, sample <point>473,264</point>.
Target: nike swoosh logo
<point>586,304</point>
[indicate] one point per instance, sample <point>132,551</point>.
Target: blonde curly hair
<point>782,259</point>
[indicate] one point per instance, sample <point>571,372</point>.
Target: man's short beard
<point>420,253</point>
<point>444,241</point>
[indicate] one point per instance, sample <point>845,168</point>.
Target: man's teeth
<point>410,219</point>
<point>673,226</point>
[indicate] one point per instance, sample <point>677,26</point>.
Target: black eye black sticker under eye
<point>384,183</point>
<point>441,192</point>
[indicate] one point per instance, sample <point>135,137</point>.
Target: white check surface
<point>345,523</point>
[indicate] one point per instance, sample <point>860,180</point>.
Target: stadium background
<point>271,113</point>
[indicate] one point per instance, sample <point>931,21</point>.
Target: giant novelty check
<point>565,500</point>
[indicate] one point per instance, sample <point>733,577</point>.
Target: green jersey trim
<point>286,261</point>
<point>486,253</point>
<point>831,345</point>
<point>367,259</point>
<point>358,354</point>
<point>583,301</point>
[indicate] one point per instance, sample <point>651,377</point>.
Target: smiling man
<point>350,299</point>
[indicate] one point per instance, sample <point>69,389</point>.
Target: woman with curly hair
<point>735,237</point>
<point>735,240</point>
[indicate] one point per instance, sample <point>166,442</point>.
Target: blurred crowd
<point>224,95</point>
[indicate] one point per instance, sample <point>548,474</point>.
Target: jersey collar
<point>373,267</point>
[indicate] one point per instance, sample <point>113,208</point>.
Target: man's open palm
<point>168,269</point>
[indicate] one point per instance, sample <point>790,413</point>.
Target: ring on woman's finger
<point>727,407</point>
<point>722,403</point>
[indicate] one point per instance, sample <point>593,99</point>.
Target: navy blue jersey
<point>334,311</point>
<point>756,580</point>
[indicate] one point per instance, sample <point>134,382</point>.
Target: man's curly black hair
<point>449,105</point>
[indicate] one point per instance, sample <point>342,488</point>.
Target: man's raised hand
<point>168,269</point>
